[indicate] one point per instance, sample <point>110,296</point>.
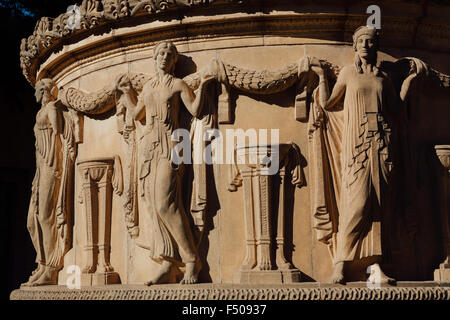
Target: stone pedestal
<point>254,168</point>
<point>97,199</point>
<point>267,276</point>
<point>443,273</point>
<point>99,278</point>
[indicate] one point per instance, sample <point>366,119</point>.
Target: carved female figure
<point>363,158</point>
<point>158,107</point>
<point>48,212</point>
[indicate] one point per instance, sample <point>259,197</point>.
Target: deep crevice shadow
<point>185,66</point>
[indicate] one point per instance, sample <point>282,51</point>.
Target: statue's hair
<point>166,45</point>
<point>364,30</point>
<point>48,84</point>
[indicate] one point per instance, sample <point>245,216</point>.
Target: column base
<point>442,275</point>
<point>267,276</point>
<point>99,279</point>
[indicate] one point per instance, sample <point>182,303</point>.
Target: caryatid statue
<point>358,140</point>
<point>160,176</point>
<point>49,215</point>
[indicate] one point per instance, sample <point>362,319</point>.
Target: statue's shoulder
<point>179,84</point>
<point>149,84</point>
<point>349,68</point>
<point>347,71</point>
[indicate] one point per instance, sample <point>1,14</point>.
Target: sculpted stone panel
<point>339,211</point>
<point>361,151</point>
<point>357,163</point>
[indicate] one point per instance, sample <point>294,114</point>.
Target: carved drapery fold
<point>325,143</point>
<point>269,82</point>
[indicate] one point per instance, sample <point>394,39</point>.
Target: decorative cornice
<point>100,16</point>
<point>177,292</point>
<point>92,14</point>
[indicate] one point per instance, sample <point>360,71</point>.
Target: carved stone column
<point>261,246</point>
<point>97,198</point>
<point>443,273</point>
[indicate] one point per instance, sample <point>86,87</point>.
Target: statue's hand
<point>303,65</point>
<point>316,66</point>
<point>418,67</point>
<point>209,73</point>
<point>319,115</point>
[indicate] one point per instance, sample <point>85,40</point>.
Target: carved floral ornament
<point>303,73</point>
<point>230,76</point>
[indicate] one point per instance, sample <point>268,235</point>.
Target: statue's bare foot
<point>39,267</point>
<point>35,275</point>
<point>337,278</point>
<point>48,277</point>
<point>338,274</point>
<point>191,274</point>
<point>163,271</point>
<point>89,269</point>
<point>265,263</point>
<point>377,276</point>
<point>103,268</point>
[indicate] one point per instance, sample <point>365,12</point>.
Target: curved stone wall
<point>255,35</point>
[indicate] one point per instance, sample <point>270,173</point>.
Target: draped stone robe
<point>352,165</point>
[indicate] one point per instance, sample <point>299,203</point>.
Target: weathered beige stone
<point>98,182</point>
<point>125,91</point>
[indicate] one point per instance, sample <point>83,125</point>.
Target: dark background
<point>17,163</point>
